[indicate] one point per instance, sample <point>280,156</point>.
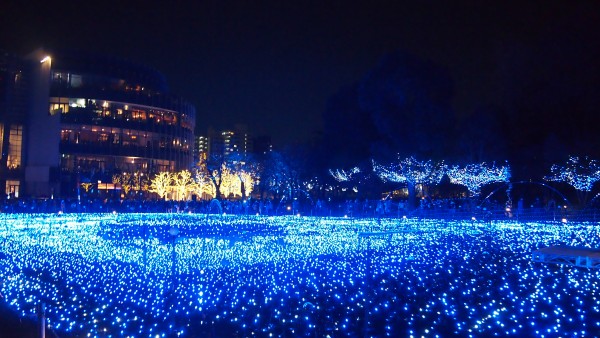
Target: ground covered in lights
<point>185,275</point>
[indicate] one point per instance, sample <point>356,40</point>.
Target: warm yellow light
<point>47,58</point>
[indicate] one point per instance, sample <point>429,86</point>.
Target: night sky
<point>273,65</point>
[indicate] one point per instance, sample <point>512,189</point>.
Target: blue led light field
<point>169,275</point>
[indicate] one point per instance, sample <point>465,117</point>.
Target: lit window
<point>14,148</point>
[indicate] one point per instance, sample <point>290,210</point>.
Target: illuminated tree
<point>581,174</point>
<point>126,180</point>
<point>411,172</point>
<point>475,176</point>
<point>348,180</point>
<point>341,175</point>
<point>233,177</point>
<point>230,184</point>
<point>86,186</point>
<point>203,187</point>
<point>245,169</point>
<point>281,176</point>
<point>247,180</point>
<point>140,181</point>
<point>183,183</point>
<point>161,183</point>
<point>274,174</point>
<point>212,168</point>
<point>131,181</point>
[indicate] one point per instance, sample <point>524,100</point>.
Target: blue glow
<point>475,176</point>
<point>113,275</point>
<point>341,175</point>
<point>581,174</point>
<point>410,170</point>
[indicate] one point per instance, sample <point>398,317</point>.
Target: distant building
<point>262,145</point>
<point>87,117</point>
<point>229,142</point>
<point>201,148</point>
<point>15,98</point>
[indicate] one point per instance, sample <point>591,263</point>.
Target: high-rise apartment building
<point>236,141</point>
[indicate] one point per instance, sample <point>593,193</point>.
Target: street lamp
<point>174,232</point>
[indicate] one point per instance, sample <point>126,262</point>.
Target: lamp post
<point>42,315</point>
<point>174,232</point>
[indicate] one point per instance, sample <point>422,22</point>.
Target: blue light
<point>475,176</point>
<point>102,275</point>
<point>581,174</point>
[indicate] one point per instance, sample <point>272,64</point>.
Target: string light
<point>581,174</point>
<point>344,176</point>
<point>411,171</point>
<point>113,275</point>
<point>475,176</point>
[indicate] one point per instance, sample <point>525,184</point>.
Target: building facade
<point>237,142</point>
<point>95,116</point>
<point>14,98</point>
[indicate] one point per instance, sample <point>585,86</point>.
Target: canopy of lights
<point>189,275</point>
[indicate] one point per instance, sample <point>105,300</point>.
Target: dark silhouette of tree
<point>401,107</point>
<point>409,102</point>
<point>480,137</point>
<point>282,173</point>
<point>548,86</point>
<point>348,131</point>
<point>275,174</point>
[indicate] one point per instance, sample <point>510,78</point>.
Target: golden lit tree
<point>161,183</point>
<point>247,180</point>
<point>246,169</point>
<point>86,186</point>
<point>204,187</point>
<point>140,181</point>
<point>236,184</point>
<point>224,177</point>
<point>229,182</point>
<point>183,183</point>
<point>212,168</point>
<point>126,180</point>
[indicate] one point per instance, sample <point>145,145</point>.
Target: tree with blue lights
<point>347,179</point>
<point>412,172</point>
<point>342,175</point>
<point>475,176</point>
<point>281,175</point>
<point>580,173</point>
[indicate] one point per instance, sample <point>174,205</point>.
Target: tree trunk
<point>243,190</point>
<point>217,188</point>
<point>412,197</point>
